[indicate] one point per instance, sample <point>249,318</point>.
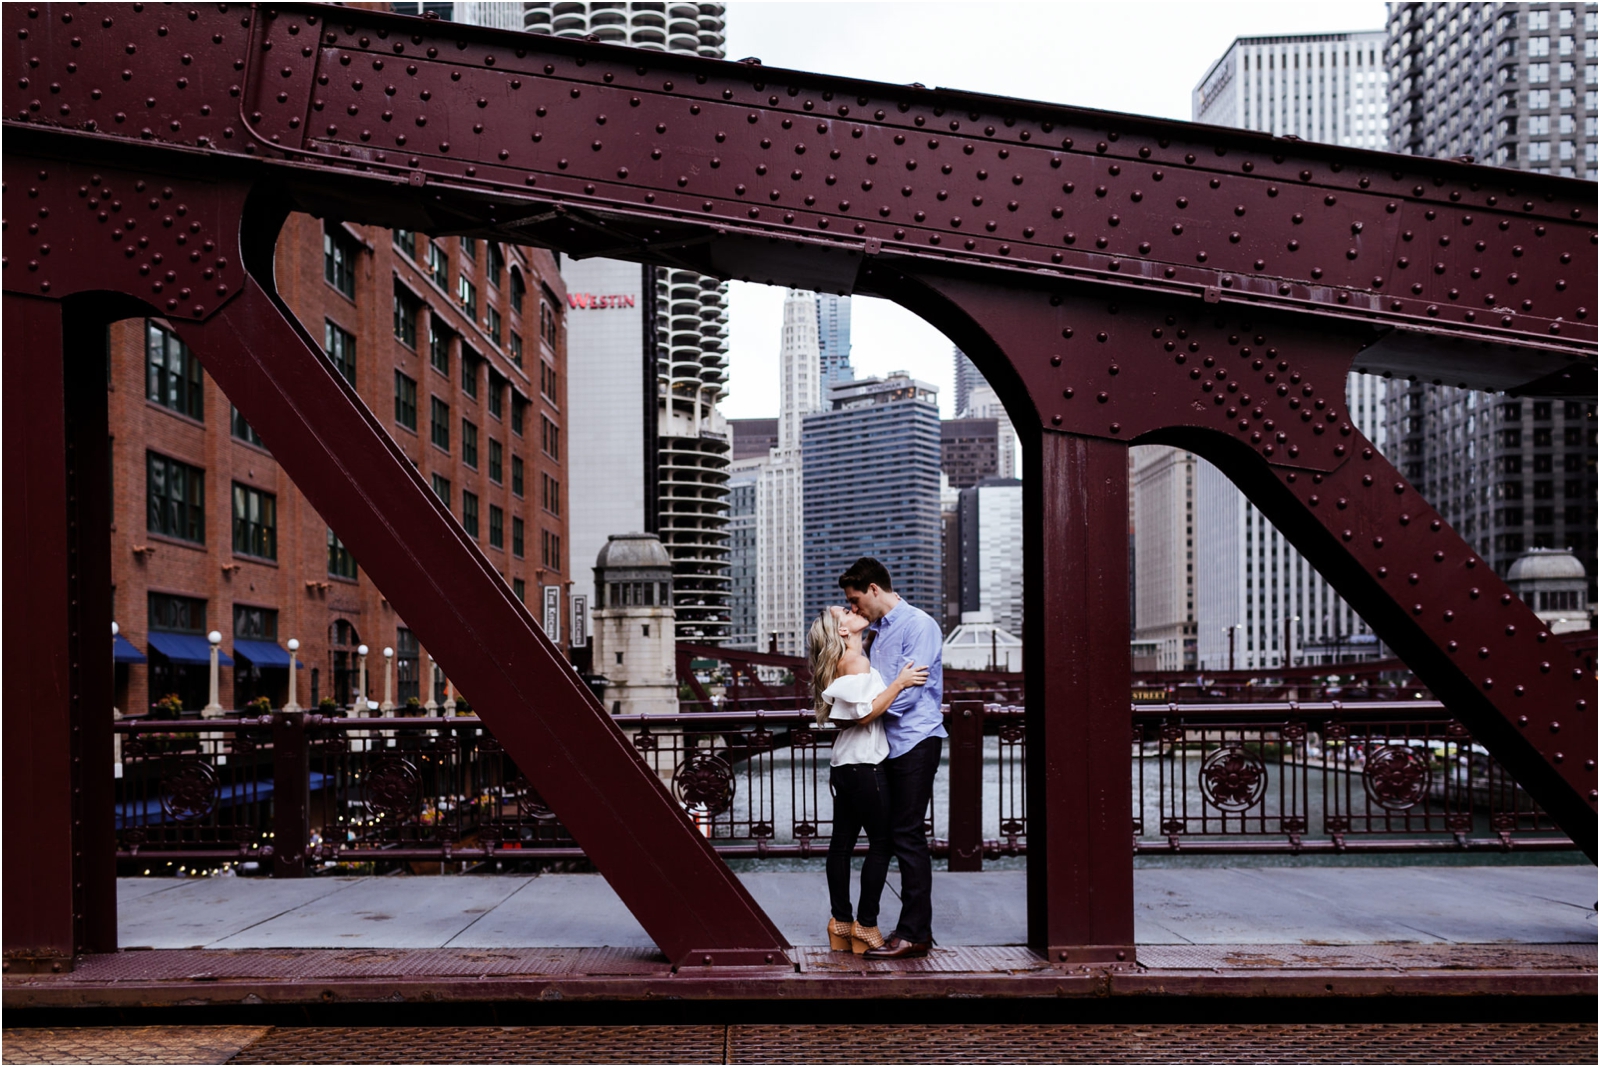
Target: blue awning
<point>125,651</point>
<point>262,653</point>
<point>186,648</point>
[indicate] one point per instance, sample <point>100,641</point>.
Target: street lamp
<point>1231,629</point>
<point>388,681</point>
<point>1288,634</point>
<point>213,707</point>
<point>359,703</point>
<point>294,681</point>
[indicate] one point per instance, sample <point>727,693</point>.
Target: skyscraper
<point>966,379</point>
<point>1321,87</point>
<point>780,486</point>
<point>1514,85</point>
<point>1162,490</point>
<point>742,559</point>
<point>1510,84</point>
<point>833,339</point>
<point>1327,87</point>
<point>990,518</point>
<point>684,484</point>
<point>969,450</point>
<point>871,476</point>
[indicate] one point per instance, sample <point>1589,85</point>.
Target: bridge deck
<point>1209,932</point>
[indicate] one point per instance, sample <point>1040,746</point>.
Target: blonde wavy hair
<point>824,647</point>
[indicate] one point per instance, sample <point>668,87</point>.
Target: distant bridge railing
<point>298,792</point>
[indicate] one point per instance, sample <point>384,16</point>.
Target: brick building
<point>459,347</point>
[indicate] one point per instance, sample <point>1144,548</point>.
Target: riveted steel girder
<point>1119,279</point>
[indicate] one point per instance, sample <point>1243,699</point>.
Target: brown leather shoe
<point>898,949</point>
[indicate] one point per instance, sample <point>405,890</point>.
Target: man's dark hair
<point>864,572</point>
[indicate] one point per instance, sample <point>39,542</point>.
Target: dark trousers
<point>860,802</point>
<point>910,788</point>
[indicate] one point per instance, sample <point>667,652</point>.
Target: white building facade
<point>1330,87</point>
<point>1162,489</point>
<point>610,379</point>
<point>780,484</point>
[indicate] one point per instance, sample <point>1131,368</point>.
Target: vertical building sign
<point>552,613</point>
<point>580,620</point>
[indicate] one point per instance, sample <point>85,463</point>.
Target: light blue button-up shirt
<point>909,635</point>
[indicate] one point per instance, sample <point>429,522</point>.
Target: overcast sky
<point>1125,56</point>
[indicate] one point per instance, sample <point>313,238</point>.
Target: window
<point>439,416</point>
<point>520,588</point>
<point>497,471</point>
<point>550,494</point>
<point>517,536</point>
<point>339,259</point>
<point>491,320</point>
<point>341,564</point>
<point>180,614</point>
<point>176,498</point>
<point>469,371</point>
<point>469,443</point>
<point>516,348</point>
<point>516,475</point>
<point>255,624</point>
<point>405,401</point>
<point>406,655</point>
<point>439,347</point>
<point>441,489</point>
<point>1538,100</point>
<point>467,294</point>
<point>469,512</point>
<point>518,290</point>
<point>469,248</point>
<point>1538,73</point>
<point>1539,46</point>
<point>406,306</point>
<point>549,437</point>
<point>495,266</point>
<point>518,407</point>
<point>173,373</point>
<point>340,345</point>
<point>439,266</point>
<point>255,522</point>
<point>497,394</point>
<point>547,323</point>
<point>550,549</point>
<point>243,430</point>
<point>406,241</point>
<point>497,526</point>
<point>547,382</point>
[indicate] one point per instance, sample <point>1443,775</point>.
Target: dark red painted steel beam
<point>39,839</point>
<point>1023,230</point>
<point>340,456</point>
<point>798,178</point>
<point>1262,395</point>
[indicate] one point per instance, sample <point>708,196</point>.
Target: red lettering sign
<point>594,302</point>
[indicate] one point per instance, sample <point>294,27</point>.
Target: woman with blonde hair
<point>847,691</point>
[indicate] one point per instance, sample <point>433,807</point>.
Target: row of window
<point>176,507</point>
<point>407,305</point>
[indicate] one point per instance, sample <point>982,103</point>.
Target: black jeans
<point>910,788</point>
<point>860,802</point>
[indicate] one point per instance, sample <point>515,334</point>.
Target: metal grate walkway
<point>1264,1043</point>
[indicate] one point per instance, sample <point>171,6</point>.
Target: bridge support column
<point>60,899</point>
<point>1080,811</point>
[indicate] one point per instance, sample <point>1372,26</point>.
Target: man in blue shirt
<point>901,634</point>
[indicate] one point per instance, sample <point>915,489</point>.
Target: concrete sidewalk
<point>1243,905</point>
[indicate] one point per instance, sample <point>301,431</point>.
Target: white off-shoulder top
<point>851,697</point>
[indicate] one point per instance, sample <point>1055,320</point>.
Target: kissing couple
<point>885,755</point>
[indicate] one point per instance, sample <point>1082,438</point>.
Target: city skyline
<point>1175,49</point>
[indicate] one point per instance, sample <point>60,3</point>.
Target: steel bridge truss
<point>1118,279</point>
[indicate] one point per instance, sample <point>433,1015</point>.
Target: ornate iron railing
<point>1322,777</point>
